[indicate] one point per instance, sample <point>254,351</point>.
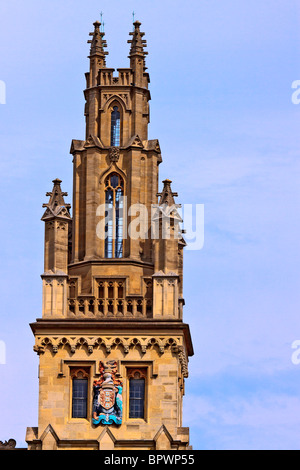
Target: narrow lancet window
<point>114,195</point>
<point>115,127</point>
<point>79,394</point>
<point>137,394</point>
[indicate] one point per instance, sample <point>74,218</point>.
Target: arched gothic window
<point>115,127</point>
<point>114,193</point>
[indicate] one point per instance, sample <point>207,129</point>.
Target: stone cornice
<point>146,146</point>
<point>117,261</point>
<point>82,327</point>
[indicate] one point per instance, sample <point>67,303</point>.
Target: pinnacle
<point>167,195</point>
<point>137,43</point>
<point>98,43</point>
<point>56,205</point>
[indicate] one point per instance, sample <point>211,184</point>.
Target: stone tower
<point>113,348</point>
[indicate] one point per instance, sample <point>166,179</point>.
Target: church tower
<point>113,348</point>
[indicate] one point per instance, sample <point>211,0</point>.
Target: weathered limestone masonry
<point>113,348</point>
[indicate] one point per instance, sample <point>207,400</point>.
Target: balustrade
<point>131,306</point>
<point>110,300</point>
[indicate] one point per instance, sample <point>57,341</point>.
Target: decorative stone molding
<point>62,226</point>
<point>112,167</point>
<point>108,99</point>
<point>123,96</point>
<point>183,361</point>
<point>137,373</point>
<point>114,154</point>
<point>134,141</point>
<point>92,142</point>
<point>91,343</point>
<point>79,373</point>
<point>152,145</point>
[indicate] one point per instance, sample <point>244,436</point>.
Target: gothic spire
<point>56,207</point>
<point>98,43</point>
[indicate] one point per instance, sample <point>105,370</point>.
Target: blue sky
<point>221,75</point>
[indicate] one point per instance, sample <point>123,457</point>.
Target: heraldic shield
<point>107,402</point>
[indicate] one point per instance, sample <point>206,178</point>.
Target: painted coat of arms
<point>107,401</point>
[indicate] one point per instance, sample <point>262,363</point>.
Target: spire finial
<point>102,23</point>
